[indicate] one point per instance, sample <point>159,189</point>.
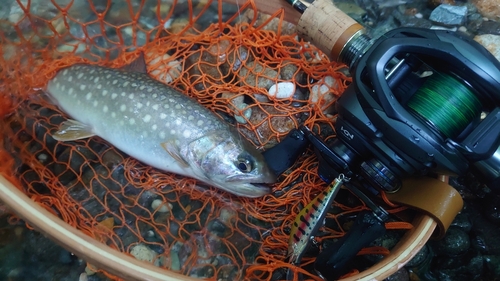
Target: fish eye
<point>244,163</point>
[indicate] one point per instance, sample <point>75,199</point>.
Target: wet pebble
<point>449,15</point>
<point>491,42</point>
<point>400,275</point>
<point>420,257</point>
<point>144,253</point>
<point>455,242</point>
<point>160,206</point>
<point>255,74</point>
<point>322,93</point>
<point>488,8</point>
<point>282,90</point>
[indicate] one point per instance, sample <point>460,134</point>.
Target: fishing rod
<point>421,102</point>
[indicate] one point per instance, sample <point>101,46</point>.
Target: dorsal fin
<point>137,65</point>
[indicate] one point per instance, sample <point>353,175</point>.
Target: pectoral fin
<point>73,130</point>
<point>174,152</point>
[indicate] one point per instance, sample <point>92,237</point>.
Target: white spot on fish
<point>131,96</point>
<point>55,79</point>
<point>70,91</point>
<point>148,103</point>
<point>96,102</point>
<point>131,121</point>
<point>190,117</point>
<point>58,85</point>
<point>149,90</point>
<point>133,84</point>
<point>154,127</point>
<point>125,84</point>
<point>178,122</point>
<point>88,96</point>
<point>113,114</point>
<point>105,108</point>
<point>177,106</point>
<point>80,75</point>
<point>142,95</point>
<point>142,87</point>
<point>167,124</point>
<point>123,107</point>
<point>200,122</point>
<point>166,106</point>
<point>163,115</point>
<point>108,76</point>
<point>172,132</point>
<point>155,107</point>
<point>147,118</point>
<point>154,96</point>
<point>162,135</point>
<point>82,87</point>
<point>96,80</point>
<point>114,95</point>
<point>123,94</point>
<point>186,133</point>
<point>139,105</point>
<point>65,72</point>
<point>70,78</point>
<point>104,92</point>
<point>91,71</point>
<point>99,86</point>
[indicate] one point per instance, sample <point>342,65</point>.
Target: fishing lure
<point>310,219</point>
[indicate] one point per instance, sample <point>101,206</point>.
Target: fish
<point>309,220</point>
<point>157,125</point>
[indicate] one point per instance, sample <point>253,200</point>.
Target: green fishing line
<point>446,103</point>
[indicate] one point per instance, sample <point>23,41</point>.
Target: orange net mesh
<point>227,66</point>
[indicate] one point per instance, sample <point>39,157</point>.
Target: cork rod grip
<point>327,27</point>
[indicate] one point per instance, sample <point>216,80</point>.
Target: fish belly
<point>133,112</point>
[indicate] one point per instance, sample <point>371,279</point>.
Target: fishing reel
<point>422,101</point>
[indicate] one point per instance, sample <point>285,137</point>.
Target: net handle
<point>83,246</point>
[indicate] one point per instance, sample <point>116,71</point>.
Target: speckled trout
<point>157,125</point>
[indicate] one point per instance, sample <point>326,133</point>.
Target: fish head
<point>230,162</point>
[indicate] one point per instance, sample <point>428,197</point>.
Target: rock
<point>420,257</point>
<point>449,15</point>
<point>164,68</point>
<point>246,113</point>
<point>269,122</point>
<point>160,206</point>
<point>435,3</point>
<point>455,242</point>
<point>323,93</point>
<point>258,75</point>
<point>462,221</point>
<point>282,90</point>
<point>144,253</point>
<point>286,27</point>
<point>488,8</point>
<point>492,264</point>
<point>400,275</point>
<point>491,43</point>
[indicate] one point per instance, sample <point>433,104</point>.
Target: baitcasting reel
<point>422,101</point>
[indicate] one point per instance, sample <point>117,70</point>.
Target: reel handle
<point>331,262</point>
